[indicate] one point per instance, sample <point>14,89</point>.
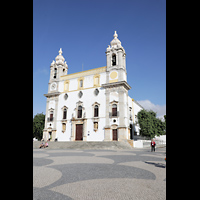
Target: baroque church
<point>91,105</point>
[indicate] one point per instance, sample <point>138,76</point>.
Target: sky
<point>85,28</point>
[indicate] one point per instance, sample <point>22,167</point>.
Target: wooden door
<point>114,134</point>
<point>79,131</point>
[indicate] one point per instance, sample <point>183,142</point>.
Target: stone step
<point>85,145</point>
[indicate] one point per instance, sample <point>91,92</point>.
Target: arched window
<point>114,110</point>
<point>80,112</point>
<point>64,113</point>
<point>113,59</point>
<point>96,111</point>
<point>51,116</point>
<point>96,80</point>
<point>55,73</point>
<point>81,83</point>
<point>66,86</point>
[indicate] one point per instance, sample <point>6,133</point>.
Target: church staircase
<point>79,145</point>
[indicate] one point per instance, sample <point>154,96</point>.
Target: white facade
<point>91,105</point>
<point>136,108</point>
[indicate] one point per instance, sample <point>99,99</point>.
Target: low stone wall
<point>160,142</point>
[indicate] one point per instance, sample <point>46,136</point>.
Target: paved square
<point>99,174</point>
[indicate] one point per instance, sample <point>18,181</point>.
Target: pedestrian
<point>153,144</point>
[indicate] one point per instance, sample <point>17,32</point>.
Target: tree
<point>38,125</point>
<point>145,123</point>
<point>165,123</point>
<point>150,126</point>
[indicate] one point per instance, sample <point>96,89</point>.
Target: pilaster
<point>122,133</point>
<point>85,130</point>
<point>56,111</point>
<point>107,107</point>
<point>107,136</point>
<point>73,131</point>
<point>45,135</point>
<point>122,108</point>
<point>53,135</point>
<point>120,63</point>
<point>46,116</point>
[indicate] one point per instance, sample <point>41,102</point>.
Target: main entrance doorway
<point>50,135</point>
<point>79,131</point>
<point>114,134</point>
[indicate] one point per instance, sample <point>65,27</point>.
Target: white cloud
<point>148,105</point>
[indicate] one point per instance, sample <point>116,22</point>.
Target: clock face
<point>53,86</point>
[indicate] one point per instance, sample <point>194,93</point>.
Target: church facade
<point>91,105</point>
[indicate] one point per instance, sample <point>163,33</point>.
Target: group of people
<point>43,145</point>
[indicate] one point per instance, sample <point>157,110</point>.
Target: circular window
<point>80,94</point>
<point>113,75</point>
<point>66,96</point>
<point>96,92</point>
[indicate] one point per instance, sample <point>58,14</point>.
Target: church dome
<point>115,41</point>
<point>59,58</point>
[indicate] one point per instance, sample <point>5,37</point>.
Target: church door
<point>79,131</point>
<point>114,134</point>
<point>131,131</point>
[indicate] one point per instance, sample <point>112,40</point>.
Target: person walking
<point>153,144</point>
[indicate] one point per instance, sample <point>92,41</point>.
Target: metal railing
<point>50,119</point>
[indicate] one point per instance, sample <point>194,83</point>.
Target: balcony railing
<point>115,114</point>
<point>50,119</point>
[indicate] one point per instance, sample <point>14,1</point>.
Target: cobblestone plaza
<point>99,174</point>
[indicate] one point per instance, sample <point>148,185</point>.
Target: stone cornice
<point>84,73</point>
<point>117,84</point>
<point>52,94</point>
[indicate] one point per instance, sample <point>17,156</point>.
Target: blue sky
<point>84,29</point>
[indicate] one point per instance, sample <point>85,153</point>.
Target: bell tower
<point>116,61</point>
<point>58,68</point>
<point>116,91</point>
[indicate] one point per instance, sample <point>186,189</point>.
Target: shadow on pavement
<point>156,164</point>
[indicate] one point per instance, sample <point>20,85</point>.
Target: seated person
<point>42,145</point>
<point>46,145</point>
